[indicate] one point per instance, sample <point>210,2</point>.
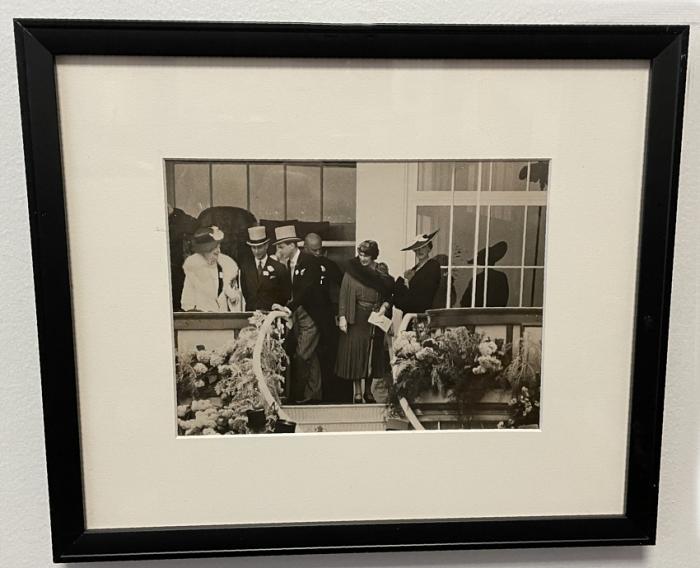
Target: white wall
<point>381,210</point>
<point>24,534</point>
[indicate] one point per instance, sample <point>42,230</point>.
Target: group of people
<point>334,346</point>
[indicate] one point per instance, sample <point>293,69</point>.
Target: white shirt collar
<point>263,260</point>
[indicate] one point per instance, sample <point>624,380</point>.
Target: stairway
<point>338,417</point>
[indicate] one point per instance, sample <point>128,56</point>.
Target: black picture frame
<point>39,42</point>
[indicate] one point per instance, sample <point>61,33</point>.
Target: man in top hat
<point>264,280</point>
<point>335,389</point>
<point>415,292</point>
<point>308,306</point>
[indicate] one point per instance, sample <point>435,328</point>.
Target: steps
<point>338,417</point>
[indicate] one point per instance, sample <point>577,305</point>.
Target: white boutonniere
<point>265,273</point>
<point>271,268</point>
<point>323,268</point>
<point>296,272</point>
<point>302,271</point>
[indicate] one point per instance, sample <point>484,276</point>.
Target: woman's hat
<point>257,236</point>
<point>370,248</point>
<point>421,240</point>
<point>207,239</point>
<point>286,234</point>
<point>496,252</point>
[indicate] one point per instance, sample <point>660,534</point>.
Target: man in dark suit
<point>335,389</point>
<point>309,309</point>
<point>180,229</point>
<point>264,280</point>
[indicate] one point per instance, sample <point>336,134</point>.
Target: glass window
<point>463,231</point>
<point>192,187</point>
<point>539,176</point>
<point>339,194</point>
<point>506,225</point>
<point>230,184</point>
<point>533,287</point>
<point>432,217</point>
<point>435,176</point>
<point>497,248</point>
<point>466,176</point>
<point>534,237</point>
<point>504,176</point>
<point>304,193</point>
<point>267,191</point>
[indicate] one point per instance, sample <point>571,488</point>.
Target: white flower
<point>265,273</point>
<point>216,360</point>
<point>323,268</point>
<point>203,356</point>
<point>271,268</point>
<point>217,234</point>
<point>200,368</point>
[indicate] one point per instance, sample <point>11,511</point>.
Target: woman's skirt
<point>354,349</point>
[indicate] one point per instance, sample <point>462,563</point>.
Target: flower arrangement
<point>459,363</point>
<point>523,375</point>
<point>524,410</point>
<point>218,391</point>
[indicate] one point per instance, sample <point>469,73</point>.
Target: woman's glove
<point>343,324</point>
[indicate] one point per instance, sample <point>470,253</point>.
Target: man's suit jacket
<point>271,287</point>
<point>307,290</point>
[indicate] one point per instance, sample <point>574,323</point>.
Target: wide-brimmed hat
<point>496,252</point>
<point>421,240</point>
<point>286,234</point>
<point>207,239</point>
<point>257,236</point>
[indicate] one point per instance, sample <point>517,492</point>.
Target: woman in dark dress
<point>364,289</point>
<point>415,292</point>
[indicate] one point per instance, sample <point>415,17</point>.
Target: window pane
<point>339,193</point>
<point>539,176</point>
<point>304,193</point>
<point>192,188</point>
<point>432,217</point>
<point>267,191</point>
<point>466,176</point>
<point>463,233</point>
<point>533,287</point>
<point>534,239</point>
<point>506,226</point>
<point>435,176</point>
<point>509,176</point>
<point>230,185</point>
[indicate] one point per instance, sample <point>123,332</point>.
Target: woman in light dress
<point>212,281</point>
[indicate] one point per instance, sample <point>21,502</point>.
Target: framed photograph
<point>323,288</point>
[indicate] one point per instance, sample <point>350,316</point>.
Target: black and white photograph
<point>341,296</point>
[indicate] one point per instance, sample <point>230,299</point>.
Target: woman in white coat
<point>211,278</point>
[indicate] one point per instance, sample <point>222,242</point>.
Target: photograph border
<point>39,42</point>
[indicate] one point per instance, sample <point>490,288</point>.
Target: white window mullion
<point>449,245</point>
<point>476,230</point>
